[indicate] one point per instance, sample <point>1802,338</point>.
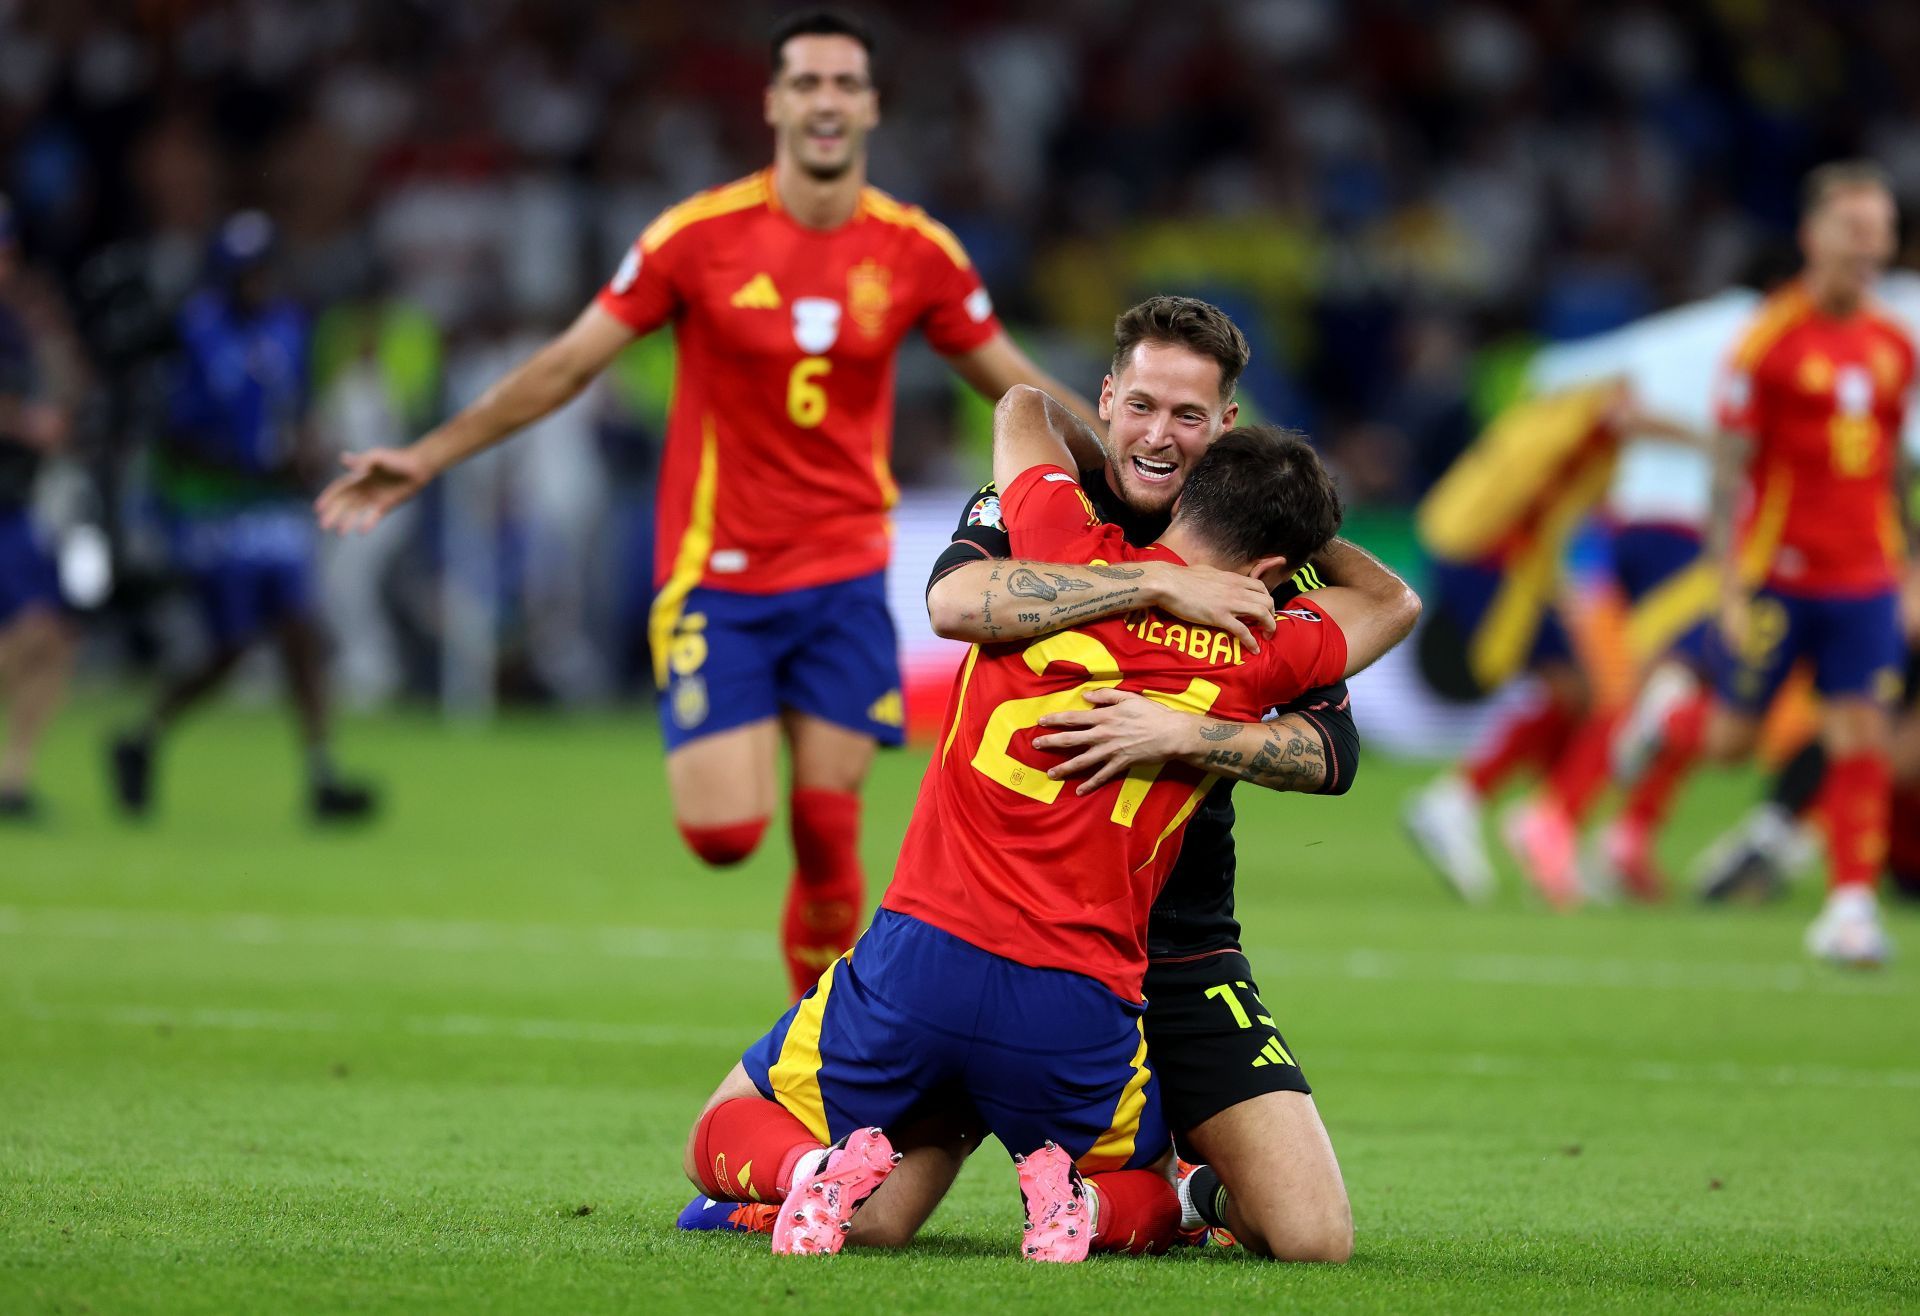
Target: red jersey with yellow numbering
<point>1022,866</point>
<point>781,426</point>
<point>1822,400</point>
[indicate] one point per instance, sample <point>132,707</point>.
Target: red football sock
<point>828,891</point>
<point>746,1149</point>
<point>1581,770</point>
<point>1528,738</point>
<point>1859,804</point>
<point>1139,1212</point>
<point>724,846</point>
<point>1652,796</point>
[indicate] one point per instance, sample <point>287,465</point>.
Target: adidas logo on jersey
<point>757,294</point>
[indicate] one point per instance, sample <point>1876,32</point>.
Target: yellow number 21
<point>1016,715</point>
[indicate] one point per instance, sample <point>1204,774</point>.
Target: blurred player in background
<point>1497,526</point>
<point>230,472</point>
<point>1005,875</point>
<point>789,293</point>
<point>1655,509</point>
<point>39,381</point>
<point>1814,399</point>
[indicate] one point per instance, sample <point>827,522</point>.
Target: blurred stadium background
<point>1400,201</point>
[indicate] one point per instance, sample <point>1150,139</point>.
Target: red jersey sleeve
<point>959,315</point>
<point>644,293</point>
<point>1307,649</point>
<point>1045,509</point>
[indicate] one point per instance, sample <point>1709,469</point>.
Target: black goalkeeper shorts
<point>1210,1041</point>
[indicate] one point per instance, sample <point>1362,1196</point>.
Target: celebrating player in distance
<point>789,293</point>
<point>1005,875</point>
<point>1813,403</point>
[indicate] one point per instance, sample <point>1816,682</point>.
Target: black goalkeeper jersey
<point>1194,914</point>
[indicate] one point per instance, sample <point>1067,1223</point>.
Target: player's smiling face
<point>1162,410</point>
<point>821,104</point>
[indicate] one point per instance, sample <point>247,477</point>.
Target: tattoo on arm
<point>1288,760</point>
<point>1284,759</point>
<point>1032,618</point>
<point>1117,573</point>
<point>1027,584</point>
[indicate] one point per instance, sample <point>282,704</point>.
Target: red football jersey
<point>781,428</point>
<point>1823,401</point>
<point>1002,857</point>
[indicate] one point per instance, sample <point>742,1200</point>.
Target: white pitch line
<point>1357,964</point>
<point>420,1025</point>
<point>462,936</point>
<point>485,1027</point>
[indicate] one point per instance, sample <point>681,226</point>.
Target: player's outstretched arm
<point>380,479</point>
<point>1731,453</point>
<point>1373,607</point>
<point>999,365</point>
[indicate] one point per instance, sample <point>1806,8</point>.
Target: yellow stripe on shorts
<point>795,1076</point>
<point>1115,1147</point>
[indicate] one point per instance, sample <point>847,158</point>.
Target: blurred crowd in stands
<point>1396,198</point>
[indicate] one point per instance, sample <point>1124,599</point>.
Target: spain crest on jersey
<point>868,296</point>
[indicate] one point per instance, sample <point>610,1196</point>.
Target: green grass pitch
<point>446,1063</point>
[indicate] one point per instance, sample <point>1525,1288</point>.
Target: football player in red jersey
<point>1813,403</point>
<point>1005,876</point>
<point>789,293</point>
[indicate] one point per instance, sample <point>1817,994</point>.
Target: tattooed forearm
<point>1288,760</point>
<point>1278,755</point>
<point>1116,573</point>
<point>1031,618</point>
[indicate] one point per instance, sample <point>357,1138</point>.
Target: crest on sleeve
<point>629,271</point>
<point>986,512</point>
<point>979,305</point>
<point>1299,614</point>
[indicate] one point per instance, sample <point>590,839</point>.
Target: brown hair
<point>1188,322</point>
<point>1826,181</point>
<point>816,23</point>
<point>1259,491</point>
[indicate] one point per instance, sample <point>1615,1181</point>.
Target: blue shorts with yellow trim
<point>1645,558</point>
<point>1852,643</point>
<point>829,651</point>
<point>912,1018</point>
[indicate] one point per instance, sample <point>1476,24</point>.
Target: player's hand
<point>1236,604</point>
<point>1120,730</point>
<point>377,481</point>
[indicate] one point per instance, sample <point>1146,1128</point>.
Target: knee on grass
<point>1325,1236</point>
<point>727,845</point>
